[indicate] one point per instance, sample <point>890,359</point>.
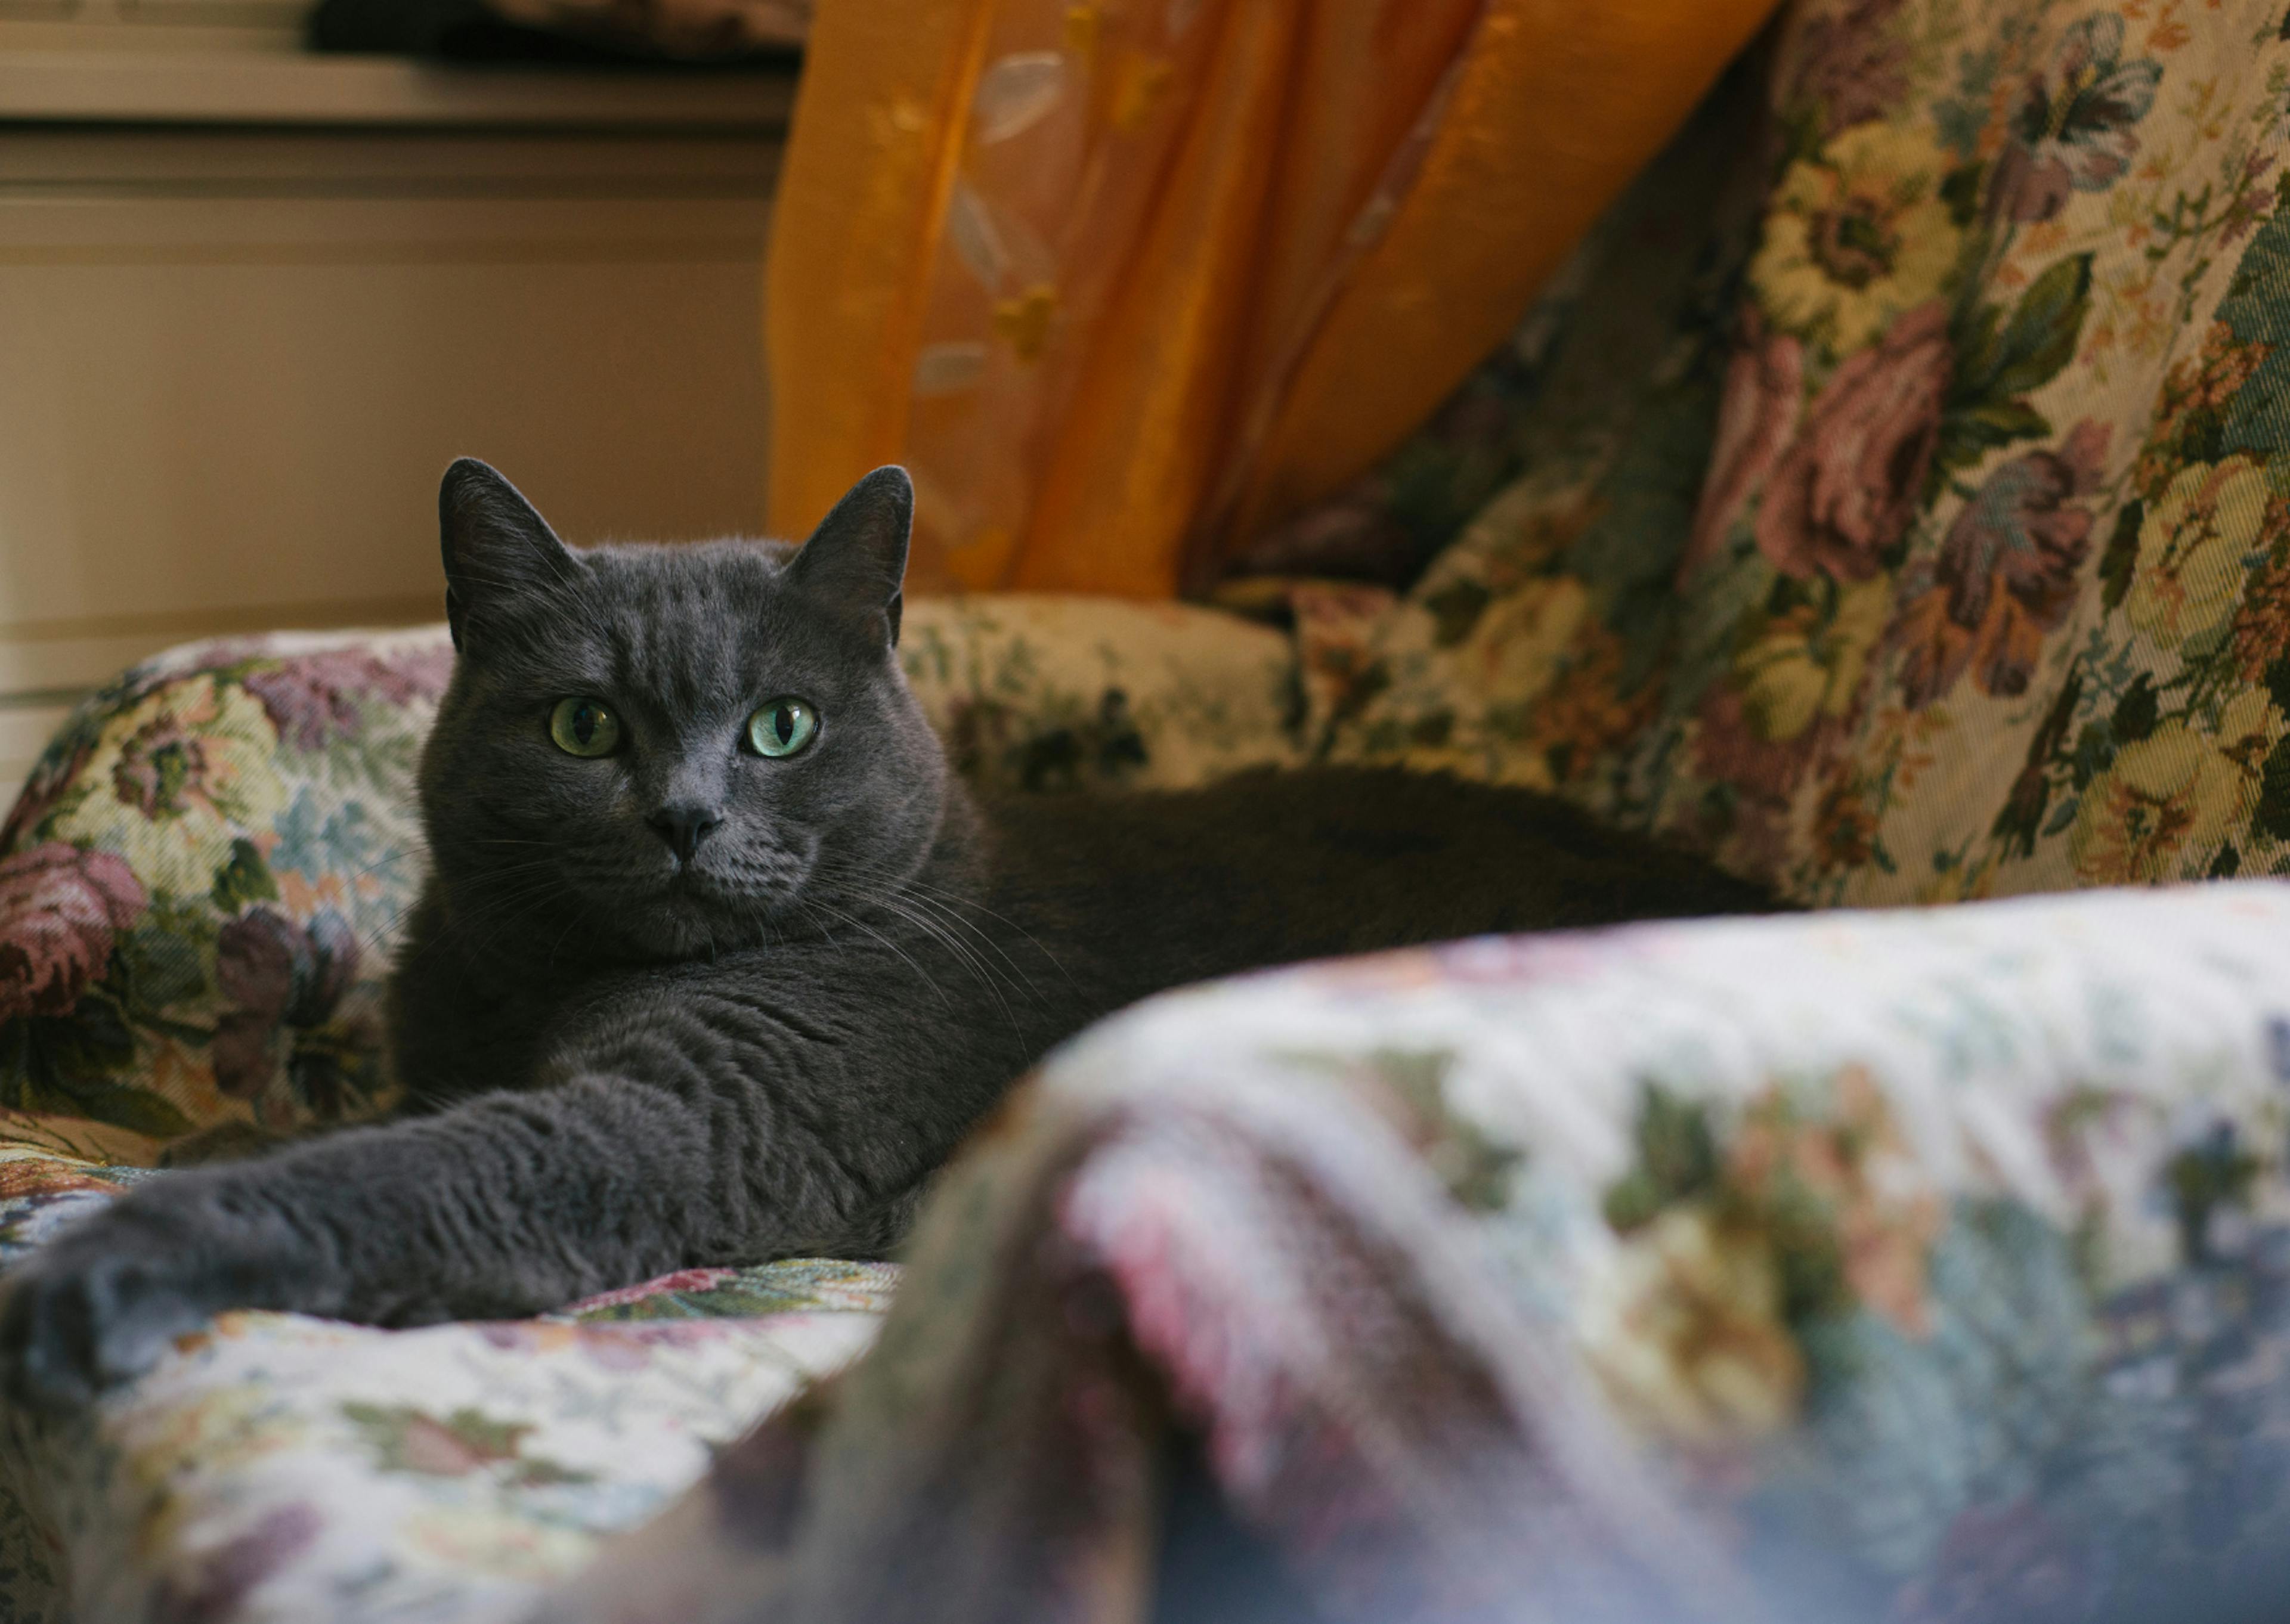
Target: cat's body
<point>717,962</point>
<point>874,1039</point>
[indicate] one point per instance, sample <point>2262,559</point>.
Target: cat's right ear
<point>496,546</point>
<point>857,557</point>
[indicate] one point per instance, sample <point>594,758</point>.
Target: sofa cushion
<point>282,1467</point>
<point>199,888</point>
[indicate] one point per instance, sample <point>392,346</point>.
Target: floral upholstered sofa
<point>196,909</point>
<point>1894,499</point>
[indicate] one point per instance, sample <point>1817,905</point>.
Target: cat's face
<point>664,752</point>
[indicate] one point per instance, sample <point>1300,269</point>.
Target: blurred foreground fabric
<point>1912,1267</point>
<point>1119,284</point>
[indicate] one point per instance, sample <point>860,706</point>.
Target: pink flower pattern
<point>1845,490</point>
<point>60,910</point>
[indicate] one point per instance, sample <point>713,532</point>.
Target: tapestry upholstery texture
<point>1943,550</point>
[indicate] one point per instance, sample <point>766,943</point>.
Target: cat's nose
<point>683,828</point>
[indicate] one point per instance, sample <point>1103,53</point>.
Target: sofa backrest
<point>1921,532</point>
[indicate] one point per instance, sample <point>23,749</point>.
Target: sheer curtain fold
<point>1122,283</point>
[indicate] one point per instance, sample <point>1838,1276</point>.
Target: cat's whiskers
<point>398,854</point>
<point>478,903</point>
<point>374,938</point>
<point>528,892</point>
<point>969,959</point>
<point>915,882</point>
<point>939,921</point>
<point>950,907</point>
<point>496,921</point>
<point>572,922</point>
<point>917,890</point>
<point>825,934</point>
<point>930,981</point>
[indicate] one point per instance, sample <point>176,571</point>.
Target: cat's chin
<point>662,932</point>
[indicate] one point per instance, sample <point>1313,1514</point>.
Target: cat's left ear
<point>857,557</point>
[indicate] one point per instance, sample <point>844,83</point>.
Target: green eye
<point>584,727</point>
<point>782,727</point>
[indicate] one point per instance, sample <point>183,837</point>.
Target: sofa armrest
<point>200,888</point>
<point>1700,1269</point>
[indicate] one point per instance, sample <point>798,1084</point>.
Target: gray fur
<point>620,1062</point>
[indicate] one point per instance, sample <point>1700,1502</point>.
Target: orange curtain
<point>1123,282</point>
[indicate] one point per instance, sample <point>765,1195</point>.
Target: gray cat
<point>717,962</point>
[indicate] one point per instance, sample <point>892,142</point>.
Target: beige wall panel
<point>226,396</point>
<point>24,730</point>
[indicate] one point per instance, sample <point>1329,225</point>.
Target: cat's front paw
<point>98,1305</point>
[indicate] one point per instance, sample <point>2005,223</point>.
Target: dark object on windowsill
<point>637,33</point>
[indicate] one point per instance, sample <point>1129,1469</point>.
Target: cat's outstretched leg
<point>506,1205</point>
<point>712,1126</point>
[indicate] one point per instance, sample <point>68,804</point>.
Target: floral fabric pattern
<point>1961,475</point>
<point>277,1468</point>
<point>201,881</point>
<point>1041,693</point>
